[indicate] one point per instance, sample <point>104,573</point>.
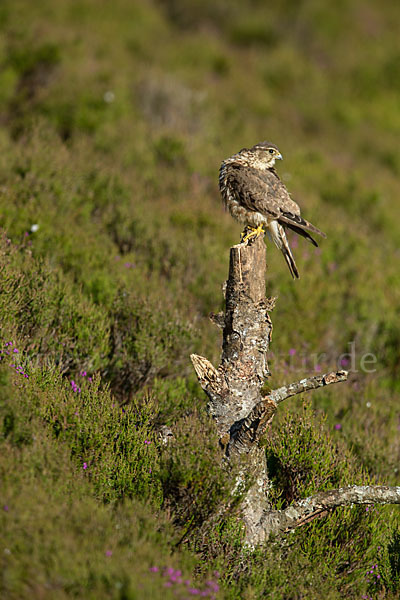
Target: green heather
<point>114,118</point>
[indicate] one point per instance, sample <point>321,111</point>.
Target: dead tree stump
<point>242,412</point>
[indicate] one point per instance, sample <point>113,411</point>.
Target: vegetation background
<point>114,118</point>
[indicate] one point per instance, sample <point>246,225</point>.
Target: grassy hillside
<point>114,118</point>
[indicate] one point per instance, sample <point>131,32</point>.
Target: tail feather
<point>289,218</point>
<point>278,236</point>
<point>303,233</point>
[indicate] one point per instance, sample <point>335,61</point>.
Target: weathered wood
<point>305,385</point>
<point>302,512</point>
<point>248,328</point>
<point>234,388</point>
<point>242,413</point>
<point>252,428</point>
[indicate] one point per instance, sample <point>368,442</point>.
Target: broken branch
<point>304,511</point>
<point>307,384</point>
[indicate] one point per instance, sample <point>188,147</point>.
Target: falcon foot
<point>251,232</point>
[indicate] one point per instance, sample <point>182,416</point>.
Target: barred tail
<point>278,236</point>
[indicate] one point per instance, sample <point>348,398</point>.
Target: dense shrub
<point>114,119</point>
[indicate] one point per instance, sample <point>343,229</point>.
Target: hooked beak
<point>279,156</point>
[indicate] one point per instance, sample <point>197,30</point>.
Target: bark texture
<point>241,411</point>
<point>234,388</point>
<point>304,511</point>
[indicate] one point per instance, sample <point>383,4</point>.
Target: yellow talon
<point>244,234</point>
<point>251,232</point>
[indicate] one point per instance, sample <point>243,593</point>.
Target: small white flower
<point>368,405</point>
<point>109,97</point>
<point>34,227</point>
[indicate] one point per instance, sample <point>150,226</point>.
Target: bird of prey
<point>255,196</point>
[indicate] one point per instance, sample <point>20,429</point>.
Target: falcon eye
<point>271,151</point>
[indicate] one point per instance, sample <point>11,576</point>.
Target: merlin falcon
<point>255,196</point>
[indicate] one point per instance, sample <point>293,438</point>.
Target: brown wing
<point>278,190</point>
<point>253,193</point>
<point>264,192</point>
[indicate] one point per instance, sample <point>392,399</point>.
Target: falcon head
<point>264,155</point>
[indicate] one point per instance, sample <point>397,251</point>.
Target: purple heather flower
<point>75,386</point>
<point>194,591</point>
<point>147,442</point>
<point>175,576</point>
<point>83,373</point>
<point>213,585</point>
<point>216,574</point>
<point>85,466</point>
<point>15,350</point>
<point>5,508</point>
<point>344,362</point>
<point>317,368</point>
<point>338,426</point>
<point>292,351</point>
<point>108,552</point>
